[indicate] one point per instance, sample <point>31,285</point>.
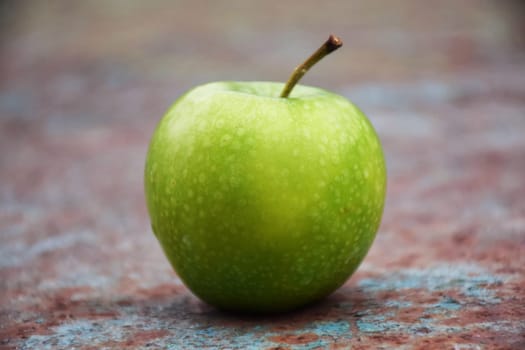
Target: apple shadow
<point>341,309</point>
<point>331,319</point>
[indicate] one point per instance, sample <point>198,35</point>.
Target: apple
<point>265,202</point>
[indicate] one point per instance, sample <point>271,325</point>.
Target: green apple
<point>264,203</point>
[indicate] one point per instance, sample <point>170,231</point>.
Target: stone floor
<point>82,85</point>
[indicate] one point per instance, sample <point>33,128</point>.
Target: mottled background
<point>83,83</point>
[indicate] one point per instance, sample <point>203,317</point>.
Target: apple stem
<point>330,45</point>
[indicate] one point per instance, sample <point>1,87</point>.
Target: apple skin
<point>261,203</point>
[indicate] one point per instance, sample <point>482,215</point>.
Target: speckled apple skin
<point>261,203</point>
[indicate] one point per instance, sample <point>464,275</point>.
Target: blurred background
<point>83,84</point>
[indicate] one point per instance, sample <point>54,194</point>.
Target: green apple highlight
<point>264,203</point>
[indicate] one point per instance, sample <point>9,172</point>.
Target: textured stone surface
<point>83,85</point>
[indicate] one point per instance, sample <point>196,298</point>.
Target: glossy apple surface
<point>264,203</point>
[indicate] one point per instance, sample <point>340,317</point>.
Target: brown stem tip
<point>330,45</point>
<point>333,43</point>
